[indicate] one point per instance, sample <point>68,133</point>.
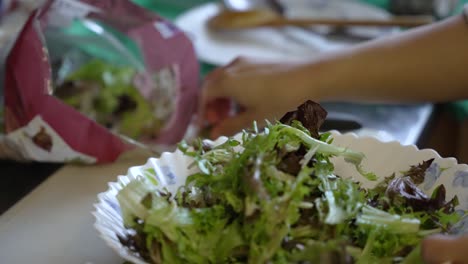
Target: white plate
<point>382,158</point>
<point>289,43</point>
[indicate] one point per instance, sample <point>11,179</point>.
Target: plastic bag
<point>84,76</point>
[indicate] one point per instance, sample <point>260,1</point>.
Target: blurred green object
<point>380,3</point>
<point>460,109</point>
<point>80,35</point>
<point>170,8</point>
<point>461,3</point>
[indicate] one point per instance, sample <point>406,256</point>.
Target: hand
<point>261,90</point>
<point>445,249</point>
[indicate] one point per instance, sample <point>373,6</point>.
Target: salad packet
<point>86,80</point>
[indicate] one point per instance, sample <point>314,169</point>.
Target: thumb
<point>441,249</point>
<point>232,125</point>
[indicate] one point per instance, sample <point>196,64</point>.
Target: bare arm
<point>425,64</point>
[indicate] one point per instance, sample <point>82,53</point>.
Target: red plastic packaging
<point>46,129</point>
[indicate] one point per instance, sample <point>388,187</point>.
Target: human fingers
<point>445,249</point>
<point>218,82</point>
<point>211,87</point>
<point>209,90</point>
<point>217,110</point>
<point>233,124</point>
<point>215,100</point>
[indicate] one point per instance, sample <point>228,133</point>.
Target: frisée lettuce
<point>273,197</point>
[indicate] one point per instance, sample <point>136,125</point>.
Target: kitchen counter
<point>53,224</point>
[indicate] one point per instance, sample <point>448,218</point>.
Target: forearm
<point>425,64</point>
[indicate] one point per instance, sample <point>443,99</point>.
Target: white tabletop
<point>54,224</point>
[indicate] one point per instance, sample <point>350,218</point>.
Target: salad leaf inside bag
<point>83,76</point>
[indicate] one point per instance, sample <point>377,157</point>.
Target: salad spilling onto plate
<point>273,196</point>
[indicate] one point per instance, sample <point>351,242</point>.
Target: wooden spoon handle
<point>232,20</point>
<point>392,22</point>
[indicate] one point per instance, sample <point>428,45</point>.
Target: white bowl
<point>382,158</point>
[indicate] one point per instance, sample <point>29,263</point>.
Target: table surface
<point>54,223</point>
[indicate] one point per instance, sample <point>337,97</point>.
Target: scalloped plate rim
<point>126,254</point>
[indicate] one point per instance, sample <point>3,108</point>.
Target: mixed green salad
<point>273,197</point>
<point>106,93</point>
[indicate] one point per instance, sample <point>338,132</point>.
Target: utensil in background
<point>309,34</point>
<point>299,35</point>
<point>234,20</point>
<point>302,36</point>
<point>288,43</point>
